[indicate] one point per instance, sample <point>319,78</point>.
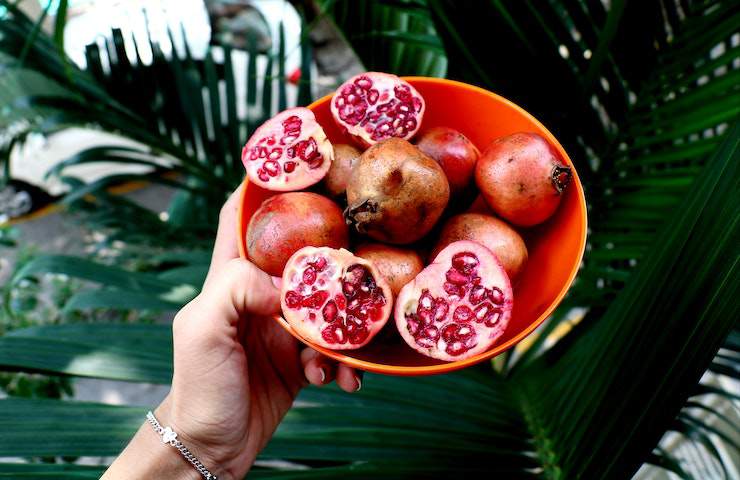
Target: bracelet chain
<point>169,436</point>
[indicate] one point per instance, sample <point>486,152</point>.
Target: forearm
<point>146,456</point>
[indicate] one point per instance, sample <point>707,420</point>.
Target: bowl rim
<point>497,349</point>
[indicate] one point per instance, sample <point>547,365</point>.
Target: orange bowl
<point>555,247</point>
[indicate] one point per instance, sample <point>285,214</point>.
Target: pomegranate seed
<point>329,311</point>
<point>425,342</point>
<point>372,96</point>
<point>334,334</point>
<point>309,276</point>
<point>315,300</point>
<point>359,336</point>
<point>254,155</point>
<point>417,104</point>
<point>263,152</point>
<point>320,264</point>
<point>496,296</point>
<point>275,153</point>
<point>363,82</point>
<point>452,289</point>
<point>477,294</point>
<point>412,325</point>
<point>402,92</point>
<point>430,332</point>
<point>456,348</point>
<point>271,167</point>
<point>293,299</point>
<point>426,317</point>
<point>465,262</point>
<point>454,276</point>
<point>494,317</point>
<point>263,175</point>
<point>288,139</point>
<point>441,309</point>
<point>484,312</point>
<point>289,166</point>
<point>449,332</point>
<point>462,314</point>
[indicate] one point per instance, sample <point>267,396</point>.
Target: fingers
<point>225,248</point>
<point>320,371</point>
<point>238,289</point>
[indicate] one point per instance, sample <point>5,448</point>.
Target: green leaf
<point>60,21</point>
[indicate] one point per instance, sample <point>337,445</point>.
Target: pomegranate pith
<point>458,306</point>
<point>333,298</point>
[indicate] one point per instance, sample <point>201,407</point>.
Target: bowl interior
<point>555,247</point>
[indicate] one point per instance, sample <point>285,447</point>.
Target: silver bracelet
<point>169,436</point>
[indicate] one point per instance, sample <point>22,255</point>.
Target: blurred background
<point>121,127</point>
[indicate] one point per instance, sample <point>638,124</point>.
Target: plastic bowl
<point>555,247</point>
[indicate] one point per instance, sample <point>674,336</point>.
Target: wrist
<point>207,454</point>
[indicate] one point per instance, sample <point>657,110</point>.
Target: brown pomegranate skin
<point>492,233</point>
<point>522,178</point>
<point>345,158</point>
<point>287,222</point>
<point>455,154</point>
<point>398,266</point>
<point>396,193</point>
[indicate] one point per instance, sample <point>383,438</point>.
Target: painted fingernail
<point>359,383</point>
<point>323,374</point>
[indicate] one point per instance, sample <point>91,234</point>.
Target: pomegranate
<point>454,153</point>
<point>288,152</point>
<point>479,205</point>
<point>522,178</point>
<point>492,233</point>
<point>374,106</point>
<point>458,306</point>
<point>397,266</point>
<point>333,298</point>
<point>345,157</point>
<point>396,193</point>
<point>287,222</point>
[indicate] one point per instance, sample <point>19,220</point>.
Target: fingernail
<point>277,281</point>
<point>323,374</point>
<point>359,383</point>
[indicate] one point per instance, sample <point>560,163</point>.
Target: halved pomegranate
<point>333,298</point>
<point>458,306</point>
<point>373,106</point>
<point>288,152</point>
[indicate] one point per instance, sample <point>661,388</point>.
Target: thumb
<point>239,288</point>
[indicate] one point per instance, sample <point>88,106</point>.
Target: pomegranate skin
<point>287,222</point>
<point>439,323</point>
<point>345,158</point>
<point>396,193</point>
<point>325,302</point>
<point>398,266</point>
<point>479,205</point>
<point>455,154</point>
<point>492,233</point>
<point>522,178</point>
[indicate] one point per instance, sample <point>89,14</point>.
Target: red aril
<point>333,298</point>
<point>373,106</point>
<point>288,152</point>
<point>458,306</point>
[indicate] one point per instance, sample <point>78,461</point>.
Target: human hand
<point>236,371</point>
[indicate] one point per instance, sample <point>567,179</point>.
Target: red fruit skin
<point>431,282</point>
<point>376,99</point>
<point>287,222</point>
<point>397,266</point>
<point>329,279</point>
<point>455,154</point>
<point>345,158</point>
<point>522,178</point>
<point>479,205</point>
<point>492,233</point>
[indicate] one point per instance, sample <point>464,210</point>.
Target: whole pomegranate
<point>374,106</point>
<point>288,152</point>
<point>454,153</point>
<point>458,306</point>
<point>345,157</point>
<point>492,233</point>
<point>398,266</point>
<point>333,298</point>
<point>396,193</point>
<point>522,178</point>
<point>287,222</point>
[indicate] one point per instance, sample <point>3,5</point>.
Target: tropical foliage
<point>645,96</point>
